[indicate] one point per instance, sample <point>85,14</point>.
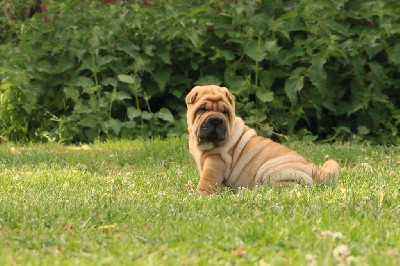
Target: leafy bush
<point>86,69</point>
<point>10,15</point>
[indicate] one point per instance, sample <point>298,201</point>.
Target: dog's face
<point>210,115</point>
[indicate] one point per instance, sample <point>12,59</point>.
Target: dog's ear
<point>231,98</point>
<point>191,97</point>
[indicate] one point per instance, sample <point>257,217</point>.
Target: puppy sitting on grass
<point>229,153</point>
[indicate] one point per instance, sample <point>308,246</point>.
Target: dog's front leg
<point>212,174</point>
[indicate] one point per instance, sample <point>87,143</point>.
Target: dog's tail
<point>328,172</point>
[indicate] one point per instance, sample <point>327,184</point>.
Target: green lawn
<point>133,203</point>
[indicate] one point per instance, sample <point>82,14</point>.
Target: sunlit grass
<point>133,202</point>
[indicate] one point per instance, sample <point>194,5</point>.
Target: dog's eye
<point>202,109</point>
<point>225,112</point>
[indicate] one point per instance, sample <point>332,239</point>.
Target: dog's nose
<point>215,121</point>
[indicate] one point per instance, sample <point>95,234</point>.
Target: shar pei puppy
<point>229,153</point>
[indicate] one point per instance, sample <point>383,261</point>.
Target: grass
<point>133,203</point>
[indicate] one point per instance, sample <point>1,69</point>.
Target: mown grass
<point>133,203</point>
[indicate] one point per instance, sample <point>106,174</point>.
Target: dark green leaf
<point>267,78</point>
<point>149,50</point>
<point>129,48</point>
<point>88,122</point>
<point>294,84</point>
<point>378,73</point>
<point>254,50</point>
<point>146,115</point>
<point>165,114</point>
<point>362,130</point>
<point>164,54</point>
<point>71,93</point>
<point>82,108</point>
<point>122,96</point>
<point>394,54</point>
<point>317,73</point>
<point>271,47</point>
<point>126,79</point>
<point>105,60</point>
<point>129,124</point>
<point>109,82</point>
<point>162,77</point>
<point>208,80</point>
<point>85,82</point>
<point>265,95</point>
<point>64,63</point>
<point>116,125</point>
<point>132,113</point>
<point>45,66</point>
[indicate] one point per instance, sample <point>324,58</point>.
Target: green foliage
<point>11,15</point>
<point>85,70</point>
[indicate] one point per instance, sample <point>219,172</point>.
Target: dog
<point>229,153</point>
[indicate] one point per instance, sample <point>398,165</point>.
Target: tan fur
<point>243,159</point>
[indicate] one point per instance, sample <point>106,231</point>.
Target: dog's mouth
<point>213,130</point>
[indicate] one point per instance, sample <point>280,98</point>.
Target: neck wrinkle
<point>237,129</point>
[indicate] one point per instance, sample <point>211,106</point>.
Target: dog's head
<point>210,115</point>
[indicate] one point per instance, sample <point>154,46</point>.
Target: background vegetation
<point>83,70</point>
